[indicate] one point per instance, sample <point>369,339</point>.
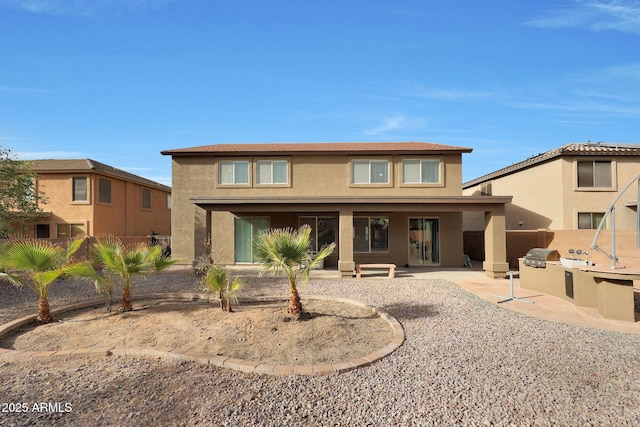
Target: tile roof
<point>88,166</point>
<point>573,149</point>
<point>319,147</point>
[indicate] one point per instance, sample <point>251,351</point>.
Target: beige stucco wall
<point>546,196</point>
<point>309,176</point>
<point>537,198</point>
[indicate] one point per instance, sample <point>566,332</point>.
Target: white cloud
<point>597,15</point>
<point>81,7</point>
<point>37,155</point>
<point>587,107</point>
<point>23,90</point>
<point>421,91</point>
<point>395,122</point>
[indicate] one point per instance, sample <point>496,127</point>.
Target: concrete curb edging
<point>247,366</point>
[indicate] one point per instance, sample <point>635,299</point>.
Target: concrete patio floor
<point>474,280</point>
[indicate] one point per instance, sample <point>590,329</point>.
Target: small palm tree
<point>286,251</point>
<point>217,280</point>
<point>124,263</point>
<point>37,264</point>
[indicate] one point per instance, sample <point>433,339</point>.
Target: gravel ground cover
<point>464,362</point>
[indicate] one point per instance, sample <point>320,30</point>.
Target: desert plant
<point>37,264</point>
<point>204,262</point>
<point>286,250</point>
<point>217,280</point>
<point>104,287</point>
<point>121,263</point>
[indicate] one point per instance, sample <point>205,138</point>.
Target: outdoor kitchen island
<point>606,289</point>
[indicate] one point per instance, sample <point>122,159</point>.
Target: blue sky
<point>120,80</point>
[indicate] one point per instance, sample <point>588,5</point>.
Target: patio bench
<point>390,267</point>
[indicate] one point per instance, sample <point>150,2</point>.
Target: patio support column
<point>346,265</point>
<point>495,243</point>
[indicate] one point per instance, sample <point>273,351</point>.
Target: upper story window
<point>104,190</point>
<point>233,172</point>
<point>370,171</point>
<point>486,189</point>
<point>421,171</point>
<point>168,201</point>
<point>80,193</point>
<point>272,171</point>
<point>146,198</point>
<point>595,174</point>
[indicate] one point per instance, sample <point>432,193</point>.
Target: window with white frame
<point>272,171</point>
<point>233,172</point>
<point>595,174</point>
<point>370,171</point>
<point>420,171</point>
<point>370,234</point>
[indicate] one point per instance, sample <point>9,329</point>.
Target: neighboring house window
<point>168,201</point>
<point>146,198</point>
<point>234,172</point>
<point>42,231</point>
<point>79,189</point>
<point>104,190</point>
<point>371,234</point>
<point>486,189</point>
<point>594,174</point>
<point>370,171</point>
<point>272,171</point>
<point>590,220</point>
<point>323,231</point>
<point>70,230</point>
<point>415,171</point>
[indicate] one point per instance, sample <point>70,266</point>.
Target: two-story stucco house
<point>567,188</point>
<point>395,203</point>
<point>86,197</point>
<point>567,191</point>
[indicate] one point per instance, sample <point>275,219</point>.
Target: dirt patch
<point>328,332</point>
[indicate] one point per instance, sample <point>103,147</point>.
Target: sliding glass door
<point>247,229</point>
<point>424,246</point>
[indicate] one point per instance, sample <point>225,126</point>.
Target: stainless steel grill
<point>538,257</point>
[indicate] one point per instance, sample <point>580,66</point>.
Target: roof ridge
<point>579,148</point>
<point>301,147</point>
<point>94,165</point>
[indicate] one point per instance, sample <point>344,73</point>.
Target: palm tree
<point>121,262</point>
<point>217,280</point>
<point>286,250</point>
<point>37,264</point>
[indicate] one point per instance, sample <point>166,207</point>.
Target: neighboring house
<point>395,203</point>
<point>568,188</point>
<point>86,197</point>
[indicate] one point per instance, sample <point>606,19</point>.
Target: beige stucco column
<point>346,265</point>
<point>495,243</point>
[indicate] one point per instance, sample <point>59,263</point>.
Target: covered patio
<point>420,231</point>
